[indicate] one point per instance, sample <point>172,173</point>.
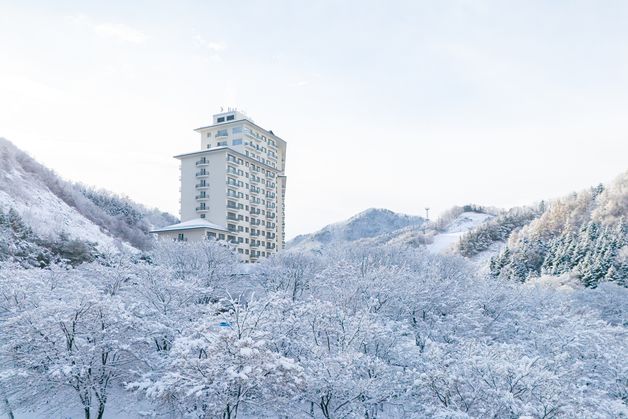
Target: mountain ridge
<point>365,224</point>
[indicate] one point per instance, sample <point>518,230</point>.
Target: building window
<point>202,215</point>
<point>221,133</point>
<point>221,119</point>
<point>237,142</point>
<point>230,117</point>
<point>236,130</point>
<point>180,237</point>
<point>221,236</point>
<point>221,144</point>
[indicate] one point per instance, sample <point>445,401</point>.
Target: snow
<point>444,242</point>
<point>50,206</point>
<point>195,223</point>
<point>384,227</point>
<point>371,223</point>
<point>48,215</point>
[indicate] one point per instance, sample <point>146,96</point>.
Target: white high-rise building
<point>234,187</point>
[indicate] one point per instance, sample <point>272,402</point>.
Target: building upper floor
<point>235,130</point>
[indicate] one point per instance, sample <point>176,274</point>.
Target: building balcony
<point>202,163</point>
<point>202,174</point>
<point>202,209</point>
<point>202,197</point>
<point>202,186</point>
<point>250,134</point>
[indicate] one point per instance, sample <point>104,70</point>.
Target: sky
<point>390,104</point>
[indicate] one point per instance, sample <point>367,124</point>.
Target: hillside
<point>368,224</point>
<point>583,235</point>
<point>378,227</point>
<point>44,208</point>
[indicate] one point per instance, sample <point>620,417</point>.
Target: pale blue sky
<point>383,104</point>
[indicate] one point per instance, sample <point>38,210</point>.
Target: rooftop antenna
<point>427,213</point>
<point>222,109</point>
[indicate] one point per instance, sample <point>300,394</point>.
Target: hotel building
<point>234,188</point>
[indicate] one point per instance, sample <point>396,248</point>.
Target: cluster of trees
<point>20,245</point>
<point>497,229</point>
<point>594,253</point>
<point>584,234</point>
<point>186,331</point>
<point>131,216</point>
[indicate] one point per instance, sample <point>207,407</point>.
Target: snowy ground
<point>444,242</point>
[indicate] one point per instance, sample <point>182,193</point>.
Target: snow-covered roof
<point>209,150</point>
<point>190,224</point>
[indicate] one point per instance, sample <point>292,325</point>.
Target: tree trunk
<point>8,407</point>
<point>101,410</point>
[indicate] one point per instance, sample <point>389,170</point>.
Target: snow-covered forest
<point>518,313</point>
<point>584,234</point>
<point>351,331</point>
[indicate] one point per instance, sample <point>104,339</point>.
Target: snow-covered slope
<point>51,206</point>
<point>445,241</point>
<point>384,227</point>
<point>368,224</point>
<point>441,239</point>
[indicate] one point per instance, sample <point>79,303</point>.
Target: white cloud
<point>117,31</point>
<point>213,46</point>
<point>120,32</point>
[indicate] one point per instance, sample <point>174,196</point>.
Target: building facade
<point>237,183</point>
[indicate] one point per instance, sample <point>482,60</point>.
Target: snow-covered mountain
<point>52,207</point>
<point>371,223</point>
<point>441,237</point>
<point>385,227</point>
